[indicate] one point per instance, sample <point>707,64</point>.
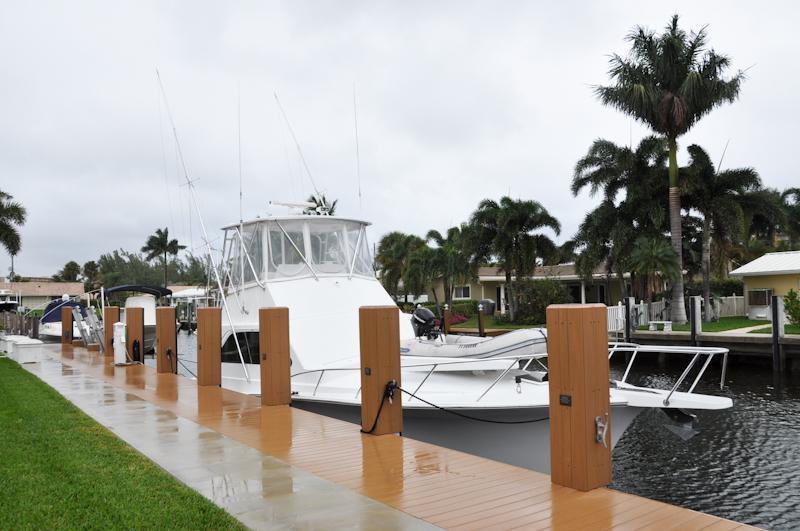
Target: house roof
<point>564,271</point>
<point>785,263</point>
<point>44,288</point>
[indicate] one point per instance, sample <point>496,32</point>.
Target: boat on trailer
<point>320,267</point>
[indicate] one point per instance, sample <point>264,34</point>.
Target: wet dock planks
<point>444,487</point>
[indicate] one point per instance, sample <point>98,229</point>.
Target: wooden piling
<point>166,346</point>
<point>778,322</point>
<point>66,325</point>
<point>379,331</point>
<point>273,348</point>
<point>110,316</point>
<point>209,346</point>
<point>134,321</point>
<point>579,395</point>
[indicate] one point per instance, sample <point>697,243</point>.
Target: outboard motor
<point>423,321</point>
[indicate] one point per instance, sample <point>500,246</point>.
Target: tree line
<point>655,219</point>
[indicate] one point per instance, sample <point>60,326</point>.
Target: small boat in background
<point>147,298</point>
<point>50,322</point>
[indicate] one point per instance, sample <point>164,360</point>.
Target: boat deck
<point>429,484</point>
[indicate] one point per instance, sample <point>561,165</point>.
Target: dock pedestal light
<point>446,316</point>
<point>273,349</point>
<point>209,351</point>
<point>381,400</point>
<point>580,410</point>
<point>110,316</point>
<point>166,340</point>
<point>481,321</point>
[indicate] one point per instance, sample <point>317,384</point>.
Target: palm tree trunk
<point>677,307</point>
<point>707,268</point>
<point>510,296</point>
<point>622,289</point>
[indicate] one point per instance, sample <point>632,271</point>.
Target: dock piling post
<point>166,340</point>
<point>379,331</point>
<point>273,349</point>
<point>134,324</point>
<point>66,326</point>
<point>696,318</point>
<point>628,318</point>
<point>209,346</point>
<point>481,321</point>
<point>110,316</point>
<point>778,331</point>
<point>580,410</point>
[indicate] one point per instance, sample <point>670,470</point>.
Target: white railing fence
<point>644,312</point>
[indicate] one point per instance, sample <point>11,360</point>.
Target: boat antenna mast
<point>193,195</point>
<point>321,207</point>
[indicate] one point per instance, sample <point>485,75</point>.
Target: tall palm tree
<point>391,257</point>
<point>633,184</point>
<point>160,246</point>
<point>419,272</point>
<point>791,205</point>
<point>12,217</point>
<point>719,197</point>
<point>653,256</point>
<point>670,81</point>
<point>510,231</point>
<point>321,205</point>
<point>450,259</point>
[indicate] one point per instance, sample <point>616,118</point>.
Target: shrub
<point>791,303</point>
<point>720,287</point>
<point>535,296</point>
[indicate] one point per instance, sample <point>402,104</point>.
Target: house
<point>771,274</point>
<point>37,293</point>
<point>491,284</point>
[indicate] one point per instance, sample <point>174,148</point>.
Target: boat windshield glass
<point>297,248</point>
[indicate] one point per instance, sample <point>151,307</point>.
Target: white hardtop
<point>294,217</point>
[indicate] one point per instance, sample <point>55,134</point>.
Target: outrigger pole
<point>193,193</point>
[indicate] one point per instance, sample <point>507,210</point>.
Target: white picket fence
<point>656,311</point>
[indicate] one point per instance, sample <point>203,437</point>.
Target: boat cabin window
<point>248,342</point>
<point>286,248</point>
<point>296,248</point>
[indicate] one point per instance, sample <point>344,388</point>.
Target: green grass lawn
<point>788,329</point>
<point>724,324</point>
<point>59,469</point>
<point>490,322</point>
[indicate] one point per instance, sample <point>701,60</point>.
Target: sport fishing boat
<point>320,268</point>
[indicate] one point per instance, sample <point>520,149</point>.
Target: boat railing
<point>516,360</point>
<point>696,352</point>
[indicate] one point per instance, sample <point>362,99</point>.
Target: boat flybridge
<point>321,268</point>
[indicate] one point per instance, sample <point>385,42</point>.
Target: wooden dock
<point>446,488</point>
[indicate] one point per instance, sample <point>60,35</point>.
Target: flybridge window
<point>245,254</point>
<point>328,251</point>
<point>286,248</point>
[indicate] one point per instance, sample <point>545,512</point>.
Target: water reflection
<point>744,464</point>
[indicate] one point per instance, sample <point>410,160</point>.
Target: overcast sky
<point>457,101</point>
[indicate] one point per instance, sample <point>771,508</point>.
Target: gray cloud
<point>456,102</point>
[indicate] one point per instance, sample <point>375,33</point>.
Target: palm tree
<point>719,197</point>
<point>393,252</point>
<point>450,259</point>
<point>607,234</point>
<point>509,231</point>
<point>160,246</point>
<point>791,205</point>
<point>669,82</point>
<point>420,271</point>
<point>322,205</point>
<point>12,217</point>
<point>651,256</point>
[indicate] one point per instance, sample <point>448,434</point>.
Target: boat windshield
<point>295,248</point>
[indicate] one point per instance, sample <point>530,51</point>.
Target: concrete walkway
<point>261,491</point>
